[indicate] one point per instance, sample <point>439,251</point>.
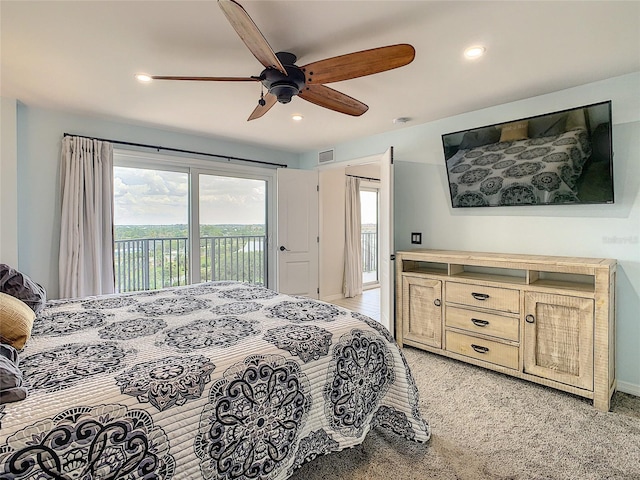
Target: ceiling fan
<point>283,79</point>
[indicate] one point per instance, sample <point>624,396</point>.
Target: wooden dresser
<point>550,320</point>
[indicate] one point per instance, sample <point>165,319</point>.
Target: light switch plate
<point>416,238</point>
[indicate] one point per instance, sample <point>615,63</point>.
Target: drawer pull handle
<point>479,323</point>
<point>437,302</point>
<point>530,318</point>
<point>480,296</point>
<point>479,348</point>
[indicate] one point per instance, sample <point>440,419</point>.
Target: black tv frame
<point>602,153</point>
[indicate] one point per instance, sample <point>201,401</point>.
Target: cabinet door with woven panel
<point>558,338</point>
<point>422,310</point>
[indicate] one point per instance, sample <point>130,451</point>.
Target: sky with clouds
<point>157,197</point>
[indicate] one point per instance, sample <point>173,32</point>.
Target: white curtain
<point>86,233</point>
<point>353,243</point>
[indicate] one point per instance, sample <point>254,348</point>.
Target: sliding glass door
<point>233,228</point>
<point>151,212</point>
<point>179,224</point>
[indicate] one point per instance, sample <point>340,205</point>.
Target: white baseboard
<point>629,388</point>
<point>330,298</point>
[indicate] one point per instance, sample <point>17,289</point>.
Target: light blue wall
<point>610,231</point>
<point>40,133</point>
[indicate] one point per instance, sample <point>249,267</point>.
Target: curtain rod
<point>363,178</point>
<point>179,150</point>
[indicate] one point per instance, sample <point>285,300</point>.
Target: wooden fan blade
<point>207,79</point>
<point>333,100</point>
<point>260,110</point>
<point>250,34</point>
<point>359,64</point>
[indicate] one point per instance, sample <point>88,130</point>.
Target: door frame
<point>194,213</point>
<point>370,186</point>
<point>377,158</point>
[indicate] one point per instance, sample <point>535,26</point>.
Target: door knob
<point>283,248</point>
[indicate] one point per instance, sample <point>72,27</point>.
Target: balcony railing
<point>152,263</point>
<point>370,255</point>
<point>233,258</point>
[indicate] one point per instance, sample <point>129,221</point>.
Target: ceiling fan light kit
<point>283,79</point>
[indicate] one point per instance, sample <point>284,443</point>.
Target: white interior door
<point>387,248</point>
<point>297,237</point>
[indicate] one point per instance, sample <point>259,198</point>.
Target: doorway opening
<point>377,169</point>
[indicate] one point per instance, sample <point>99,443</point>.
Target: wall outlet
<point>416,238</point>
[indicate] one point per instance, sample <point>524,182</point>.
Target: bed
<point>221,380</point>
<point>520,172</point>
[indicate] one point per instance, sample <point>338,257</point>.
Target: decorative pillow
<point>514,131</point>
<point>16,321</point>
<point>18,285</point>
<point>548,126</point>
<point>576,119</point>
<point>479,137</point>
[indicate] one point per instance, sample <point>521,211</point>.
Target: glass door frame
<point>195,166</point>
<point>194,219</point>
<point>368,186</point>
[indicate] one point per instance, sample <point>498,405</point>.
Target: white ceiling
<point>80,57</point>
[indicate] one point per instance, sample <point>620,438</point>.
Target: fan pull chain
<point>262,101</point>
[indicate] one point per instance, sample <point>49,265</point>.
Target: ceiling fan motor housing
<point>284,86</point>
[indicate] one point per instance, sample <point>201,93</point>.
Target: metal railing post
<point>145,263</point>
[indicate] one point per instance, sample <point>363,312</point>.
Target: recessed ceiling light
<point>143,77</point>
<point>474,52</point>
<point>296,117</point>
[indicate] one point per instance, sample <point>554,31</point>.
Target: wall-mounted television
<point>563,157</point>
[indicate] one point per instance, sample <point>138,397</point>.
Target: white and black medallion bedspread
<point>222,380</point>
<point>521,172</point>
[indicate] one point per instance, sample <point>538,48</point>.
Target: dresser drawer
<point>502,299</point>
<point>474,321</point>
<point>487,350</point>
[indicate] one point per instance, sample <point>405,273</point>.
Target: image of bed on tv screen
<point>562,157</point>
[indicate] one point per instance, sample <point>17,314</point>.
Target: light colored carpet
<point>488,426</point>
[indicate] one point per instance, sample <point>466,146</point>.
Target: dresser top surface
<point>459,256</point>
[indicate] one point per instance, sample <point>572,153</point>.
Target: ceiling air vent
<point>326,156</point>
